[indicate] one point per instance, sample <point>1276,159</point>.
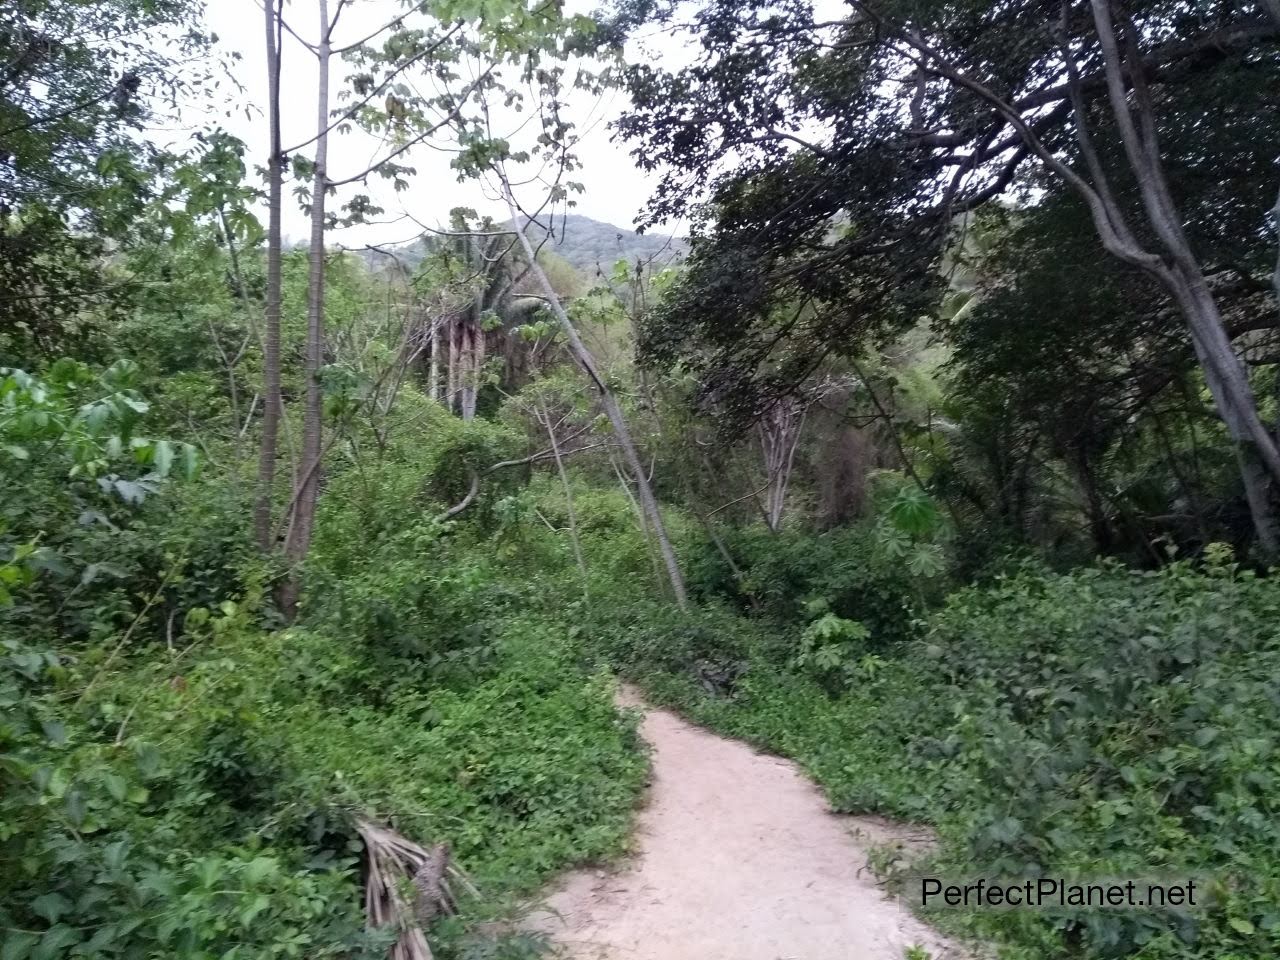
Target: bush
<point>785,571</point>
<point>1099,724</point>
<point>177,779</point>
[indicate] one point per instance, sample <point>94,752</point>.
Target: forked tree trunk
<point>545,419</point>
<point>272,409</point>
<point>1176,266</point>
<point>1257,453</point>
<point>608,400</point>
<point>780,431</point>
<point>307,480</point>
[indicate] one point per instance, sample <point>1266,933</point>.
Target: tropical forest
<point>640,479</point>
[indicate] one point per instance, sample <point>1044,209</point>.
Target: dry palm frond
<point>407,886</point>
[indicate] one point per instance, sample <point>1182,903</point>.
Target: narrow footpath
<point>736,857</point>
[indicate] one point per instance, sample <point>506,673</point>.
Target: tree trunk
<point>1100,525</point>
<point>608,400</point>
<point>1228,383</point>
<point>452,378</point>
<point>272,409</point>
<point>478,351</point>
<point>469,366</point>
<point>1257,452</point>
<point>654,558</point>
<point>433,366</point>
<point>780,430</point>
<point>1275,223</point>
<point>307,480</point>
<point>545,418</point>
<point>1176,267</point>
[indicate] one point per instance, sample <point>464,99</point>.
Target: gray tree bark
<point>1176,266</point>
<point>307,479</point>
<point>272,408</point>
<point>545,418</point>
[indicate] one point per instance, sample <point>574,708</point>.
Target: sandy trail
<point>737,857</point>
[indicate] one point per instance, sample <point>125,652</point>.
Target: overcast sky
<point>615,188</point>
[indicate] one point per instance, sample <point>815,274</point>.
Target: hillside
<point>588,244</point>
<point>585,243</point>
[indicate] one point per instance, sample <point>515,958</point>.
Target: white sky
<point>615,188</point>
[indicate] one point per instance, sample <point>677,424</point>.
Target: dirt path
<point>737,857</point>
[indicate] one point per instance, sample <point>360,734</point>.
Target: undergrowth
<point>180,776</point>
<point>1103,723</point>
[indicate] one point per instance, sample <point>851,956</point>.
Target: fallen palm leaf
<point>407,886</point>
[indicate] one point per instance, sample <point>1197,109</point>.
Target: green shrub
<point>1098,724</point>
<point>785,571</point>
<point>178,779</point>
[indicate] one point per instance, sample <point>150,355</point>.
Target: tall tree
<point>80,85</point>
<point>306,483</point>
<point>857,141</point>
<point>273,402</point>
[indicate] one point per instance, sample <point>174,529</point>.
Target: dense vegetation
<point>944,464</point>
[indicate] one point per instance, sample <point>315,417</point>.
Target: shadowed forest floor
<point>736,857</point>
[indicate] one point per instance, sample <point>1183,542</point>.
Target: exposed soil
<point>737,857</point>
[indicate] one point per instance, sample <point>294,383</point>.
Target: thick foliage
<point>1103,723</point>
<point>178,780</point>
<point>784,573</point>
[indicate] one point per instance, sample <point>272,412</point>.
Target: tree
<point>922,115</point>
<point>430,46</point>
<point>79,169</point>
<point>273,401</point>
<point>512,47</point>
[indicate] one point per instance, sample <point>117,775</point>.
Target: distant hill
<point>585,243</point>
<point>581,241</point>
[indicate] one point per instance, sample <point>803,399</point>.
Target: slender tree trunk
<point>433,367</point>
<point>478,353</point>
<point>654,559</point>
<point>1100,525</point>
<point>545,418</point>
<point>1275,223</point>
<point>780,430</point>
<point>307,481</point>
<point>1257,452</point>
<point>453,378</point>
<point>608,400</point>
<point>472,340</point>
<point>228,362</point>
<point>273,402</point>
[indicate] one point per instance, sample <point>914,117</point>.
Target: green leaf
<point>50,906</point>
<point>117,786</point>
<point>1241,925</point>
<point>76,807</point>
<point>162,457</point>
<point>258,869</point>
<point>17,945</point>
<point>55,942</point>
